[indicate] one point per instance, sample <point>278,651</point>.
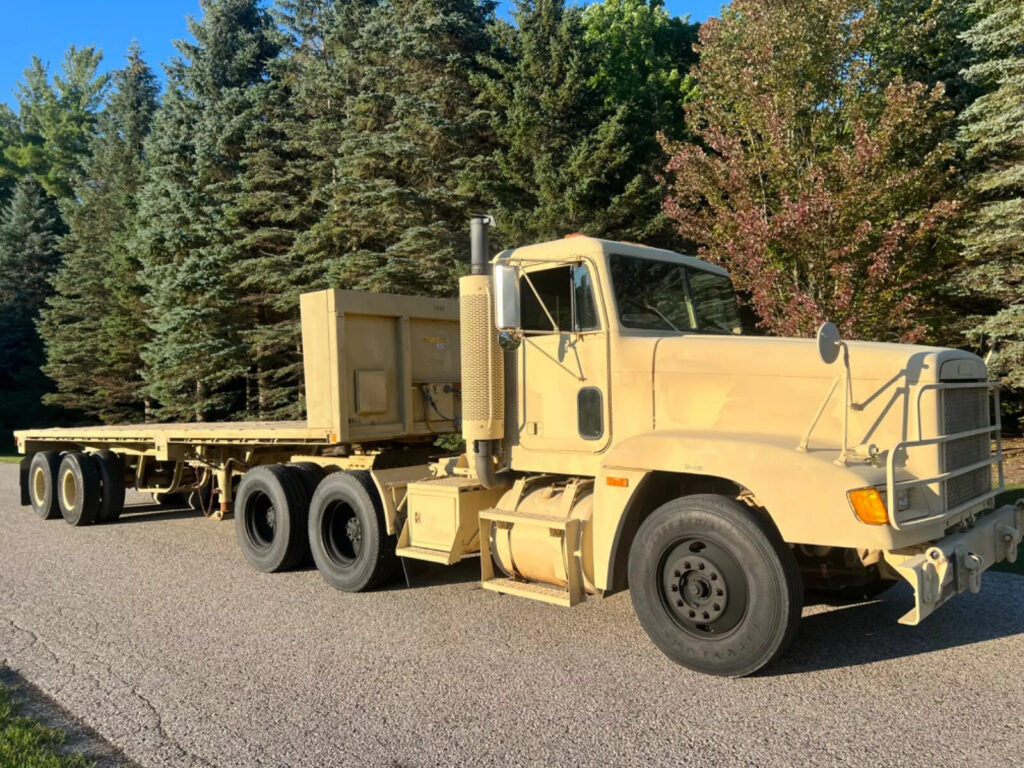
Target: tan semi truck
<point>621,432</point>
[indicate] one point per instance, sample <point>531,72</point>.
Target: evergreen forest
<point>859,161</point>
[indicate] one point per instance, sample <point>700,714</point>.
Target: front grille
<point>964,410</point>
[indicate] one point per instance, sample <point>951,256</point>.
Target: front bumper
<point>943,569</point>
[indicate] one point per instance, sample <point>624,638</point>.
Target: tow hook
<point>968,570</point>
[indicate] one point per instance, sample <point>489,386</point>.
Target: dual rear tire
<point>285,512</point>
<point>82,488</point>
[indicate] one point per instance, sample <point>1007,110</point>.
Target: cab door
<point>563,374</point>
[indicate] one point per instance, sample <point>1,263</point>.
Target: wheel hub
<point>354,531</point>
<point>695,589</point>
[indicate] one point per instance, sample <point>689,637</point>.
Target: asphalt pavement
<point>156,633</point>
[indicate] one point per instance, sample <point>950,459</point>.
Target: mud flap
<point>945,568</point>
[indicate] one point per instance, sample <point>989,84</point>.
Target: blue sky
<point>47,27</point>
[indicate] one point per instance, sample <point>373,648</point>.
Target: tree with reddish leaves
<point>826,191</point>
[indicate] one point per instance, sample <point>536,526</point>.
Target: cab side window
<point>566,293</point>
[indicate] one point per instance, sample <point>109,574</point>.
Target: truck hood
<point>763,385</point>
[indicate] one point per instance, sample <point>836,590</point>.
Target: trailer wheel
<point>270,518</point>
<point>347,533</point>
<point>111,472</point>
<point>78,489</point>
<point>42,484</point>
<point>714,586</point>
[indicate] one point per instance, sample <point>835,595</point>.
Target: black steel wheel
<point>110,469</point>
<point>714,586</point>
<point>42,484</point>
<point>270,518</point>
<point>347,533</point>
<point>78,489</point>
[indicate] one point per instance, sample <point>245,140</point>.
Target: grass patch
<point>10,459</point>
<point>24,743</point>
<point>1010,496</point>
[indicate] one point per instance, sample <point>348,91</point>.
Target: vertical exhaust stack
<point>483,373</point>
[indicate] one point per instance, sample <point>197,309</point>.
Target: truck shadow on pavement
<point>148,513</point>
<point>868,632</point>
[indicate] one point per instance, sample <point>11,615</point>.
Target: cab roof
<point>581,245</point>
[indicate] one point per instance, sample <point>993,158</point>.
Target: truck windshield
<point>664,296</point>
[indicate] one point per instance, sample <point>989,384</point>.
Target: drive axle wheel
<point>347,534</point>
<point>714,586</point>
<point>270,518</point>
<point>78,489</point>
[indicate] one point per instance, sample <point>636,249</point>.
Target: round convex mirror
<point>828,343</point>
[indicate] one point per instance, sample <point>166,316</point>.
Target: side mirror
<point>506,298</point>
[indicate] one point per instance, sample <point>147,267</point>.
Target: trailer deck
<point>146,438</point>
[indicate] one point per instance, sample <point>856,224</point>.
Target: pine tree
<point>411,133</point>
<point>30,229</point>
<point>991,132</point>
<point>196,365</point>
<point>57,119</point>
<point>93,325</point>
<point>577,99</point>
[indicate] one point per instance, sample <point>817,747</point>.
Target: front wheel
<point>714,585</point>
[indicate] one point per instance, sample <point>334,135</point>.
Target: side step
<point>430,555</point>
<point>543,592</point>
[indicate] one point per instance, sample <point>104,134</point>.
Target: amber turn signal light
<point>869,506</point>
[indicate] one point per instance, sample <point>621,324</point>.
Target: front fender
<point>803,492</point>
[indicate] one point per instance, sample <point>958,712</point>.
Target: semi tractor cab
<point>621,432</point>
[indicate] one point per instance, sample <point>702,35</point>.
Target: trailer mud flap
<point>23,467</point>
<point>945,568</point>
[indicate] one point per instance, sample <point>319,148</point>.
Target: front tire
<point>347,533</point>
<point>714,585</point>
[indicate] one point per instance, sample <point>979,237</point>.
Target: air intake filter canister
<point>483,375</point>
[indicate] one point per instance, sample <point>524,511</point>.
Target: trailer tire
<point>78,489</point>
<point>270,518</point>
<point>111,472</point>
<point>42,484</point>
<point>714,585</point>
<point>348,536</point>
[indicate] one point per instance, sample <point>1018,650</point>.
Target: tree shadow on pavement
<point>869,632</point>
